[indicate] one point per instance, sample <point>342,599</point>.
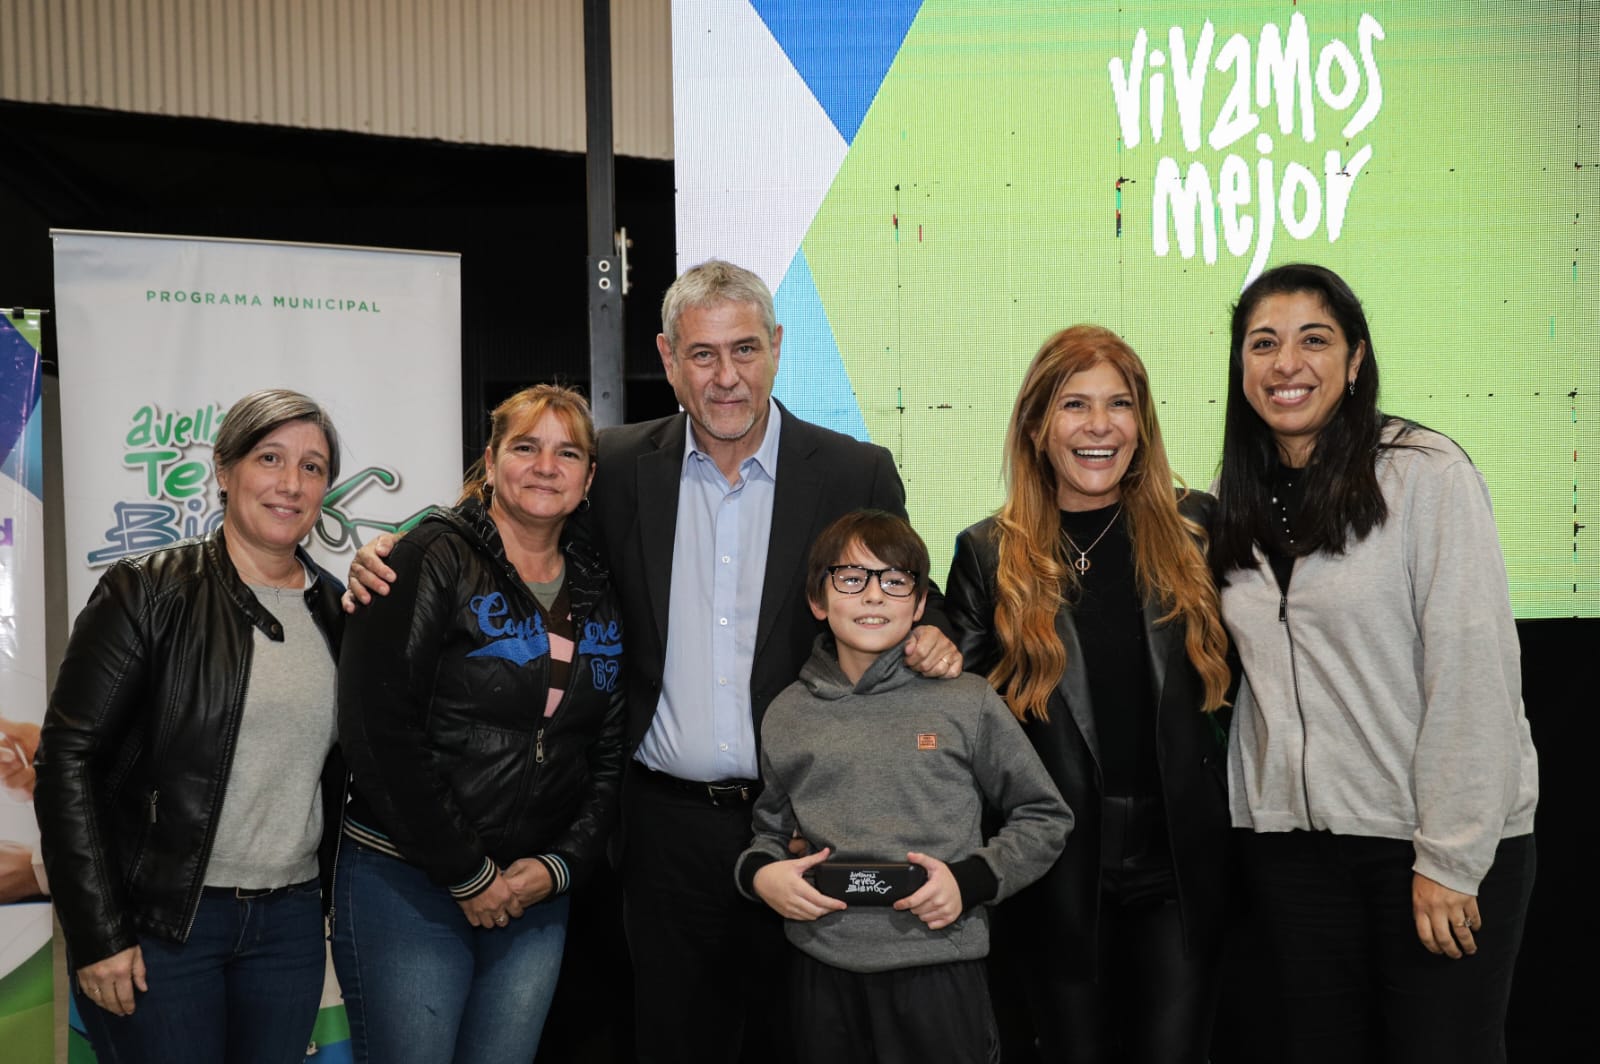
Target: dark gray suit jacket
<point>821,476</point>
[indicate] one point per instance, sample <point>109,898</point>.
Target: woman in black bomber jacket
<point>481,709</point>
<point>1087,600</point>
<point>186,768</point>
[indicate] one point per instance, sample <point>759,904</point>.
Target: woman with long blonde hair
<point>1087,600</point>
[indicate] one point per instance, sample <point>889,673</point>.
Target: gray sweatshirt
<point>1383,694</point>
<point>895,763</point>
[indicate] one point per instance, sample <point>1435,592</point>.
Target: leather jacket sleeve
<point>84,757</point>
<point>386,678</point>
<point>969,598</point>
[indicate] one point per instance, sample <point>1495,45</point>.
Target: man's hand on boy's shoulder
<point>930,652</point>
<point>937,902</point>
<point>781,884</point>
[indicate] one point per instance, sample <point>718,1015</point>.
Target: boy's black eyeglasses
<point>852,580</point>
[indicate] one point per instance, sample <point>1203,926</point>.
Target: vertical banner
<point>159,335</point>
<point>25,984</point>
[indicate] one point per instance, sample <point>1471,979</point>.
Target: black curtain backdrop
<point>517,217</point>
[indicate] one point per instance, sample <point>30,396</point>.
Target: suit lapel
<point>794,505</point>
<point>1074,685</point>
<point>658,474</point>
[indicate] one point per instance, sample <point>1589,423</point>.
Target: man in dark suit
<point>706,517</point>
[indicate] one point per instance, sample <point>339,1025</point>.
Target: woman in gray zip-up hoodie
<point>1380,756</point>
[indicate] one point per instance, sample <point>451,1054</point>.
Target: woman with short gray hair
<point>187,766</point>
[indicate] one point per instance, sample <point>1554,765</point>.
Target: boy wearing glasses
<point>887,775</point>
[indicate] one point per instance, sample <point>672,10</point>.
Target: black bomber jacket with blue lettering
<point>443,685</point>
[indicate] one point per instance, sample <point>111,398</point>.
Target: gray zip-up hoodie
<point>1383,693</point>
<point>895,763</point>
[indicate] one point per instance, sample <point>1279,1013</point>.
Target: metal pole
<point>604,266</point>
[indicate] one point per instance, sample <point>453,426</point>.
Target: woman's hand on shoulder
<point>930,652</point>
<point>1445,918</point>
<point>368,574</point>
<point>110,983</point>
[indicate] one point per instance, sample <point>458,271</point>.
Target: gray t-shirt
<point>271,819</point>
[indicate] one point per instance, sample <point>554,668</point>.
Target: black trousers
<point>935,1013</point>
<point>709,965</point>
<point>1355,983</point>
<point>1149,1001</point>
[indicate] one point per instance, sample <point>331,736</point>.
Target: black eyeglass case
<point>857,883</point>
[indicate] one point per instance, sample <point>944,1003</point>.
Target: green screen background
<point>993,140</point>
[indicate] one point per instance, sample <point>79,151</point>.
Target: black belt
<point>253,893</point>
<point>716,792</point>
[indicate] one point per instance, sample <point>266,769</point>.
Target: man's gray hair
<point>708,284</point>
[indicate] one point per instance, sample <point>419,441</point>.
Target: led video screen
<point>933,188</point>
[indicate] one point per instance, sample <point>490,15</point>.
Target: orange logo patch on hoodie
<point>927,741</point>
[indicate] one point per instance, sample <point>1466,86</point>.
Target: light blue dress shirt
<point>703,728</point>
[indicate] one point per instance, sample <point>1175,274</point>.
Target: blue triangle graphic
<point>842,49</point>
<point>812,381</point>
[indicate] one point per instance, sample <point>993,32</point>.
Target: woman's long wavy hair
<point>1034,579</point>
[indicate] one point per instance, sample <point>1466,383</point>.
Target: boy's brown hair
<point>891,538</point>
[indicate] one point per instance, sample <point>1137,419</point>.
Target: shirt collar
<point>766,456</point>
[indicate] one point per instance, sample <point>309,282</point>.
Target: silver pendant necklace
<point>1082,563</point>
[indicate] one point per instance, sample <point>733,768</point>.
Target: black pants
<point>709,965</point>
<point>1149,1002</point>
<point>1355,982</point>
<point>934,1013</point>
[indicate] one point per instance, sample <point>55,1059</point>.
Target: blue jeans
<point>422,985</point>
<point>244,989</point>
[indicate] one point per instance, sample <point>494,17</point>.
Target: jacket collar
<point>220,563</point>
<point>656,476</point>
<point>586,577</point>
<point>794,517</point>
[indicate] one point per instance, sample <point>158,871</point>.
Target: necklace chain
<point>1082,563</point>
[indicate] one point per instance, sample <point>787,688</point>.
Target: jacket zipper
<point>338,845</point>
<point>338,839</point>
<point>215,819</point>
<point>1294,675</point>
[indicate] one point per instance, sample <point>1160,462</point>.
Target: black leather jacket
<point>139,737</point>
<point>1059,915</point>
<point>442,690</point>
